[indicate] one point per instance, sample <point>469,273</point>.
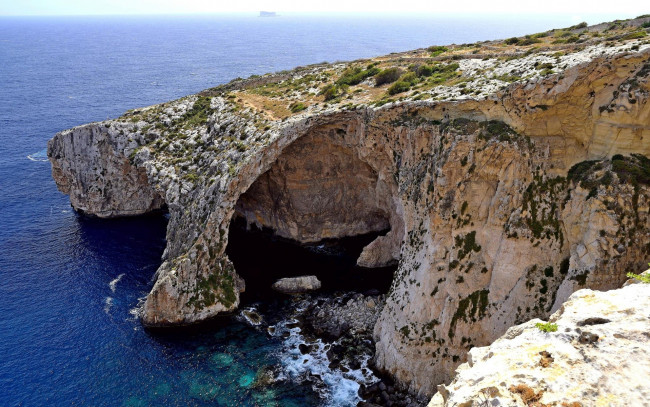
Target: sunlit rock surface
<point>599,356</point>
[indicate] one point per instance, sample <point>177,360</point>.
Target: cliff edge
<point>592,352</point>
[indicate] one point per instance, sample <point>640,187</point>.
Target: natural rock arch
<point>319,188</point>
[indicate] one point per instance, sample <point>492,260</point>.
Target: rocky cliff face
<point>595,354</point>
<point>501,201</point>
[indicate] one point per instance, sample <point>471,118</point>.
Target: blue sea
<point>70,286</point>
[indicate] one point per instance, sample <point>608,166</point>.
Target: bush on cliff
<point>546,327</point>
<point>436,50</point>
<point>332,91</point>
<point>354,76</point>
<point>403,84</point>
<point>389,75</point>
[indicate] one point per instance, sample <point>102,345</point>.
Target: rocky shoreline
<point>338,326</point>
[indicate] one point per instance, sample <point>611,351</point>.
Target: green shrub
<point>512,41</point>
<point>634,169</point>
<point>354,76</point>
<point>297,107</point>
<point>424,70</point>
<point>403,84</point>
<point>436,50</point>
<point>398,87</point>
<point>546,327</point>
<point>410,78</point>
<point>529,41</point>
<point>197,114</point>
<point>635,35</point>
<point>640,277</point>
<point>579,26</point>
<point>389,75</point>
<point>332,91</point>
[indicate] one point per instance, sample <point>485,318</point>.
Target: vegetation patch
<point>498,130</point>
<point>546,327</point>
<point>634,169</point>
<point>643,278</point>
<point>388,75</point>
<point>436,50</point>
<point>297,107</point>
<point>354,76</point>
<point>333,91</point>
<point>218,286</point>
<point>466,244</point>
<point>197,115</point>
<point>472,308</point>
<point>540,200</point>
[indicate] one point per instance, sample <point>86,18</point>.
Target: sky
<point>622,8</point>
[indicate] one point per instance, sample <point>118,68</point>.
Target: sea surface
<point>70,286</point>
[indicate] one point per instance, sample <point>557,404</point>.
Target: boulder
<point>297,285</point>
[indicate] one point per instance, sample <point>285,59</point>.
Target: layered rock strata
<point>500,202</point>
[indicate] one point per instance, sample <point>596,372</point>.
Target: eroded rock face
<point>88,163</point>
<point>597,356</point>
<point>318,189</point>
<point>489,226</point>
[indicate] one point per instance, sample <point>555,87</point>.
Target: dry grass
<point>528,395</point>
<point>546,359</point>
<point>273,109</point>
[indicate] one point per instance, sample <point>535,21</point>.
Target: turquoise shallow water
<point>69,285</point>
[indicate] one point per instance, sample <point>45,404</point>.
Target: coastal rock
<point>597,356</point>
<point>500,199</point>
<point>297,285</point>
<point>356,314</point>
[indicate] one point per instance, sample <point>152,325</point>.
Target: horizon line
<point>280,13</point>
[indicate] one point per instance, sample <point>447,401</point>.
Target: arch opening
<point>319,210</point>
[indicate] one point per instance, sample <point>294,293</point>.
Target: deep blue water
<point>67,335</point>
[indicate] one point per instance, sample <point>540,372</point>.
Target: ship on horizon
<point>268,14</point>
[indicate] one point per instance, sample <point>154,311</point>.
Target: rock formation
<point>597,356</point>
<point>296,285</point>
<point>509,176</point>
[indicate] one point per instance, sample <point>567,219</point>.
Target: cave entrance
<point>319,210</point>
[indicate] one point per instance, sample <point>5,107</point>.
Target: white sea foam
<point>137,310</point>
<point>337,388</point>
<point>39,156</point>
<point>114,282</point>
<point>108,303</point>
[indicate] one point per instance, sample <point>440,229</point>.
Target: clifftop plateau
<point>509,174</point>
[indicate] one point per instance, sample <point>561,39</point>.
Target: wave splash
<point>113,284</point>
<point>39,156</point>
<point>304,359</point>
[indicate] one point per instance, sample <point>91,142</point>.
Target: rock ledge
<point>597,357</point>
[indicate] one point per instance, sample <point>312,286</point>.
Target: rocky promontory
<point>501,177</point>
<point>592,352</point>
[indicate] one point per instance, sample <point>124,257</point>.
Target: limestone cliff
<point>510,174</point>
<point>593,352</point>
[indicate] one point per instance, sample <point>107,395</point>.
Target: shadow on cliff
<point>261,258</point>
